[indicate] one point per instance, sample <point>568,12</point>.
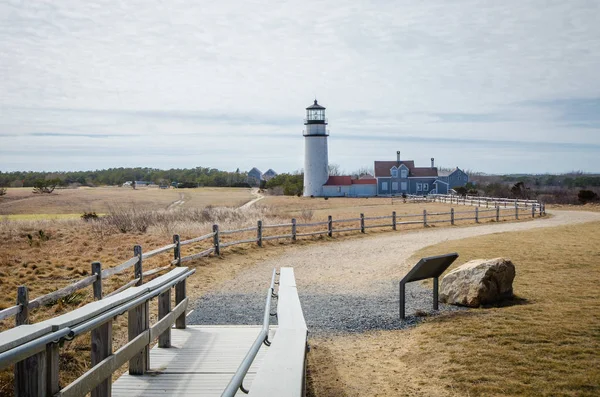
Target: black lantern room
<point>315,114</point>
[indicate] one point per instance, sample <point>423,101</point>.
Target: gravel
<point>325,314</point>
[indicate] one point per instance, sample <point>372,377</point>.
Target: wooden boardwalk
<point>201,362</point>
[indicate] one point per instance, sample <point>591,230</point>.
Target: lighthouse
<point>316,171</point>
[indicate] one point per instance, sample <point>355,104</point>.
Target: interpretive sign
<point>430,267</point>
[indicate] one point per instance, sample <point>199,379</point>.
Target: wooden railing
<point>34,349</point>
<point>478,201</point>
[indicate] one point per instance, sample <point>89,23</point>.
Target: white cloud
<point>217,74</point>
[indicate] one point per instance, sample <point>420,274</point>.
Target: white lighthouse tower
<point>316,170</point>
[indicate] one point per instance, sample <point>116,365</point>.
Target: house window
<point>339,189</point>
<point>466,178</point>
<point>394,172</point>
<point>403,173</point>
<point>419,187</point>
<point>403,186</point>
<point>384,186</point>
<point>425,187</point>
<point>394,186</point>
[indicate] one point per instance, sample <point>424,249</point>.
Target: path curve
<point>351,285</point>
<point>257,197</point>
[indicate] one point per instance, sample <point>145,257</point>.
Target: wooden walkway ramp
<point>200,362</point>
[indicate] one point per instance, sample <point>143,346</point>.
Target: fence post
<point>424,218</point>
<point>533,211</point>
<point>216,240</point>
<point>177,249</point>
<point>259,233</point>
<point>137,251</point>
<point>362,223</point>
<point>164,308</point>
<point>498,214</point>
<point>452,216</point>
<point>329,225</point>
<point>516,211</point>
<point>30,374</point>
<point>101,338</point>
<point>137,323</point>
<point>394,220</point>
<point>476,214</point>
<point>179,297</point>
<point>293,229</point>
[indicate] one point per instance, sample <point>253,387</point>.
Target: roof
<point>367,176</point>
<point>255,170</point>
<point>270,172</point>
<point>371,181</point>
<point>447,173</point>
<point>424,172</point>
<point>382,168</point>
<point>315,106</point>
<point>339,181</point>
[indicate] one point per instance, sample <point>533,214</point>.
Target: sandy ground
<point>363,264</point>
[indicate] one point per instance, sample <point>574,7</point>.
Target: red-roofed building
<point>345,186</point>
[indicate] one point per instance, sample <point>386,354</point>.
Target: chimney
<point>398,157</point>
<point>432,162</point>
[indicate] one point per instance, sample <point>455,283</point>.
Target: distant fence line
<point>475,201</point>
<point>217,243</point>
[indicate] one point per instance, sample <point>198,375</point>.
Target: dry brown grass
<point>99,199</point>
<point>547,343</point>
<point>45,266</point>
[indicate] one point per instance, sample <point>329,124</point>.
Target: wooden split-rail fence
<point>33,348</point>
<point>478,201</point>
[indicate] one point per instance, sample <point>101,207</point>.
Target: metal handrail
<point>263,337</point>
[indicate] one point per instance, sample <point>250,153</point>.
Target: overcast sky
<point>493,86</point>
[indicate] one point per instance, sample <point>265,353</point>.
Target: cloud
<point>239,75</point>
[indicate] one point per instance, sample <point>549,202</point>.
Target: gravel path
<point>352,285</point>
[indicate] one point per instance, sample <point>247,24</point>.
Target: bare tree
<point>334,170</point>
<point>362,171</point>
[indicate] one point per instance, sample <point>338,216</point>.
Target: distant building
<point>270,174</point>
<point>402,177</point>
<point>254,177</point>
<point>345,186</point>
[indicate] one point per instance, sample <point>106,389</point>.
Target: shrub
<point>89,216</point>
<point>45,186</point>
<point>2,191</point>
<point>306,215</point>
<point>585,196</point>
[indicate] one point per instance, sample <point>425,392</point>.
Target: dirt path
<point>363,265</point>
<point>257,196</point>
<point>177,203</point>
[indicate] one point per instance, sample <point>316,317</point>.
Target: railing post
<point>329,225</point>
<point>101,337</point>
<point>164,308</point>
<point>177,249</point>
<point>362,223</point>
<point>424,218</point>
<point>31,373</point>
<point>137,251</point>
<point>259,233</point>
<point>498,214</point>
<point>452,216</point>
<point>394,220</point>
<point>476,214</point>
<point>180,293</point>
<point>293,229</point>
<point>216,240</point>
<point>516,211</point>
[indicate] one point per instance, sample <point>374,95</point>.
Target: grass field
<point>76,201</point>
<point>546,342</point>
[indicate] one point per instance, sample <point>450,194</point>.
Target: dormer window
<point>403,173</point>
<point>394,172</point>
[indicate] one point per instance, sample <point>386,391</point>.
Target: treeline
<point>199,176</point>
<point>287,184</point>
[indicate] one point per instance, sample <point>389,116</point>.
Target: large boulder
<point>478,282</point>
